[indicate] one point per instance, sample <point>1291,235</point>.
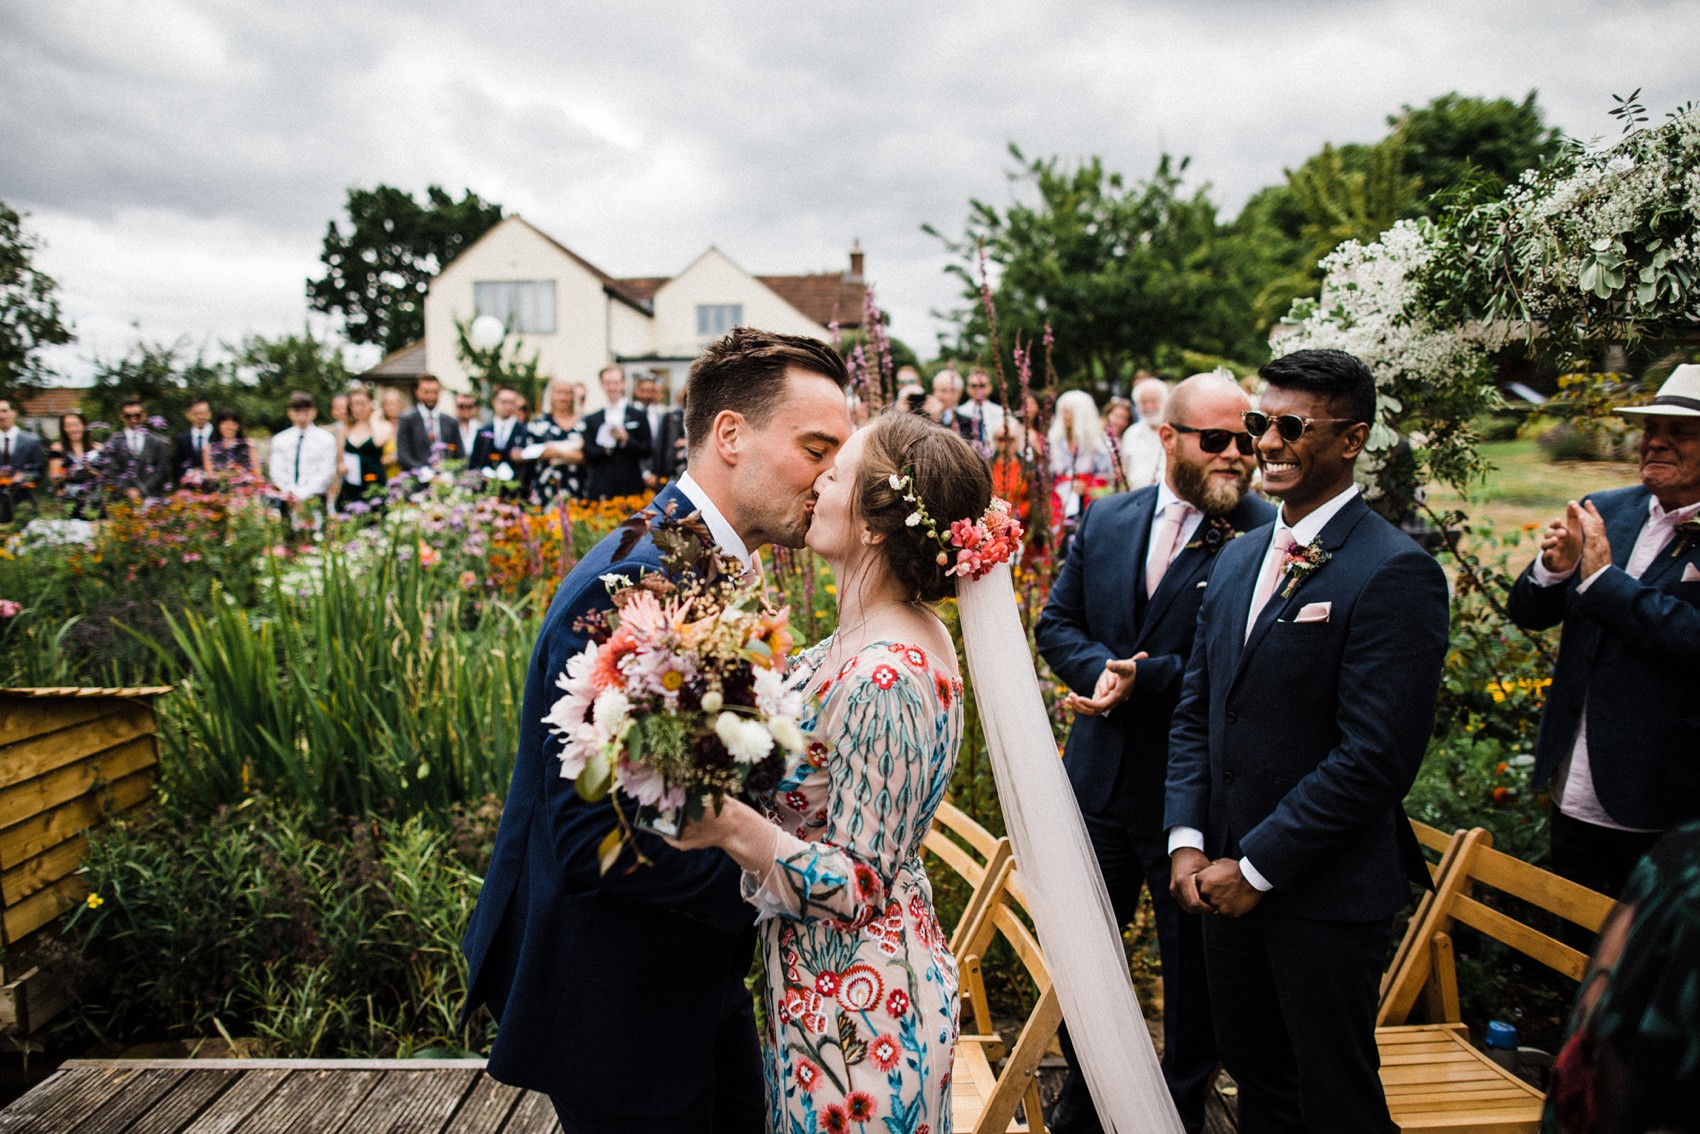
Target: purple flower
<point>158,422</point>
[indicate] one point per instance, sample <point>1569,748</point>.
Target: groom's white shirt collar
<point>1311,526</point>
<point>728,539</point>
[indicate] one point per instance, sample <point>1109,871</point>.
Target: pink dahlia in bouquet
<point>680,698</point>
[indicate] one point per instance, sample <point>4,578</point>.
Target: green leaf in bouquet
<point>598,776</point>
<point>634,739</point>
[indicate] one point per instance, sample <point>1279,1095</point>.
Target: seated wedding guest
<point>979,417</point>
<point>23,462</point>
<point>616,442</point>
<point>229,451</point>
<point>392,404</point>
<point>1631,1058</point>
<point>186,454</point>
<point>1079,455</point>
<point>559,467</point>
<point>362,456</point>
<point>137,461</point>
<point>303,461</point>
<point>73,467</point>
<point>1621,571</point>
<point>1141,450</point>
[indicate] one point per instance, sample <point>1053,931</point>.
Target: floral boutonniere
<point>1686,533</point>
<point>1300,563</point>
<point>1214,534</point>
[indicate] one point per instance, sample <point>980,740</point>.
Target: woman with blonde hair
<point>1080,456</point>
<point>391,405</point>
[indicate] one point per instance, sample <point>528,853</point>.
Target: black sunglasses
<point>1289,425</point>
<point>1216,440</point>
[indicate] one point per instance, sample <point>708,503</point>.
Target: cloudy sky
<point>180,160</point>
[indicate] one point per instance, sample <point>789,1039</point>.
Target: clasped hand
<point>1114,686</point>
<point>1578,536</point>
<point>1200,886</point>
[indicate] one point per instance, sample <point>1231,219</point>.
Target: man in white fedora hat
<point>1621,570</point>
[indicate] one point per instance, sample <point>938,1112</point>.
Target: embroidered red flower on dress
<point>897,1003</point>
<point>860,988</point>
<point>941,687</point>
<point>834,1120</point>
<point>884,676</point>
<point>860,1104</point>
<point>816,754</point>
<point>796,801</point>
<point>807,1075</point>
<point>885,1053</point>
<point>826,983</point>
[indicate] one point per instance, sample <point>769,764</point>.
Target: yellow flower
<point>831,588</point>
<point>95,901</point>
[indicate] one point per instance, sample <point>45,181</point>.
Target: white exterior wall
<point>715,279</point>
<point>513,250</point>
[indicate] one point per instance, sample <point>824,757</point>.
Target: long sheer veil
<point>1065,891</point>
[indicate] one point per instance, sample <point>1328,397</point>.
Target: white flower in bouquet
<point>747,741</point>
<point>612,712</point>
<point>786,732</point>
<point>776,695</point>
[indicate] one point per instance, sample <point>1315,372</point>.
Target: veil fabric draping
<point>1065,891</point>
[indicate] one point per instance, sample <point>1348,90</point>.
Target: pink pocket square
<point>1690,573</point>
<point>1314,612</point>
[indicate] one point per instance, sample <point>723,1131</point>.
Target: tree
<point>29,310</point>
<point>1123,275</point>
<point>264,372</point>
<point>376,276</point>
<point>1458,141</point>
<point>165,376</point>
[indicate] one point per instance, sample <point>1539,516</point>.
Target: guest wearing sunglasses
<point>138,461</point>
<point>1304,714</point>
<point>1117,628</point>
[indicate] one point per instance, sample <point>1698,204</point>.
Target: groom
<point>621,994</point>
<point>1305,711</point>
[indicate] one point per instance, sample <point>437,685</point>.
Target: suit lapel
<point>1332,538</point>
<point>1183,575</point>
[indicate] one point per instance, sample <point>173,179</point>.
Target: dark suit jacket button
<point>1233,718</point>
<point>1227,777</point>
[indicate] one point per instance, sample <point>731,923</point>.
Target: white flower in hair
<point>896,482</point>
<point>914,519</point>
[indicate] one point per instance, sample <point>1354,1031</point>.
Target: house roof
<point>826,297</point>
<point>50,402</point>
<point>614,288</point>
<point>405,362</point>
<point>644,287</point>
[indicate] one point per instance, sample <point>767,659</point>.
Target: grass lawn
<point>1526,488</point>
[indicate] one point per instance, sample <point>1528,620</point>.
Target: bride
<point>860,988</point>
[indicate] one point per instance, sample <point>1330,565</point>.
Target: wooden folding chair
<point>1407,974</point>
<point>974,854</point>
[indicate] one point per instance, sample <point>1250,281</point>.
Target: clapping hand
<point>1113,687</point>
<point>1596,547</point>
<point>1561,542</point>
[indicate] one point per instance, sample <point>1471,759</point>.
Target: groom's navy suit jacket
<point>593,976</point>
<point>1629,654</point>
<point>1098,610</point>
<point>1296,747</point>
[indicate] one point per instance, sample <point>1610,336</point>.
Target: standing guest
<point>947,392</point>
<point>1141,451</point>
<point>73,466</point>
<point>1307,705</point>
<point>559,467</point>
<point>340,416</point>
<point>229,451</point>
<point>468,420</point>
<point>1080,454</point>
<point>499,443</point>
<point>424,436</point>
<point>137,460</point>
<point>616,442</point>
<point>303,462</point>
<point>391,406</point>
<point>362,456</point>
<point>1621,570</point>
<point>1036,418</point>
<point>978,420</point>
<point>187,452</point>
<point>646,392</point>
<point>1118,415</point>
<point>23,462</point>
<point>1122,650</point>
<point>1011,465</point>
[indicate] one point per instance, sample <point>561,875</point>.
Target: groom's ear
<point>729,433</point>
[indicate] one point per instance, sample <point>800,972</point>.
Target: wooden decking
<point>269,1096</point>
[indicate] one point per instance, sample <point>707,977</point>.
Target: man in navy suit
<point>1304,714</point>
<point>499,442</point>
<point>617,442</point>
<point>621,994</point>
<point>1621,570</point>
<point>1117,628</point>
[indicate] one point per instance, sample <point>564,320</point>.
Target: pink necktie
<point>1164,543</point>
<point>1272,573</point>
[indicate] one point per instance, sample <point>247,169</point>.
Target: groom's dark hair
<point>1340,377</point>
<point>745,373</point>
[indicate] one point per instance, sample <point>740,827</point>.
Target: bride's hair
<point>948,476</point>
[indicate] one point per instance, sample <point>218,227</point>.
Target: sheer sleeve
<point>882,730</point>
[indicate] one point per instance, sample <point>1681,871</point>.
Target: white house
<point>578,318</point>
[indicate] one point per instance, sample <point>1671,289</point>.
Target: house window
<point>525,307</point>
<point>715,319</point>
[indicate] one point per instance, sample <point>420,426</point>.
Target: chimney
<point>855,260</point>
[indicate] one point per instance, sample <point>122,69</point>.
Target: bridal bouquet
<point>680,697</point>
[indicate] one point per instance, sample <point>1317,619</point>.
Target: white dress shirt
<point>1190,521</point>
<point>9,443</point>
<point>724,534</point>
<point>616,416</point>
<point>1142,455</point>
<point>303,462</point>
<point>502,430</point>
<point>988,414</point>
<point>1302,532</point>
<point>468,437</point>
<point>1573,786</point>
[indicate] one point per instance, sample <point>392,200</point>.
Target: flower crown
<point>979,545</point>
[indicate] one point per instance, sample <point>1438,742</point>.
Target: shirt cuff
<point>1190,837</point>
<point>1547,578</point>
<point>1257,880</point>
<point>1589,581</point>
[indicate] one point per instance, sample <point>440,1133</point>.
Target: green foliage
<point>323,938</point>
<point>29,310</point>
<point>502,365</point>
<point>1458,141</point>
<point>165,376</point>
<point>376,274</point>
<point>1119,272</point>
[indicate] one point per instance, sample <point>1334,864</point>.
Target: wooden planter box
<point>68,759</point>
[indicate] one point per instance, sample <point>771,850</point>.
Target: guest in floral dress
<point>861,989</point>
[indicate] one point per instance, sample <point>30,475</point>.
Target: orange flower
<point>1501,796</point>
